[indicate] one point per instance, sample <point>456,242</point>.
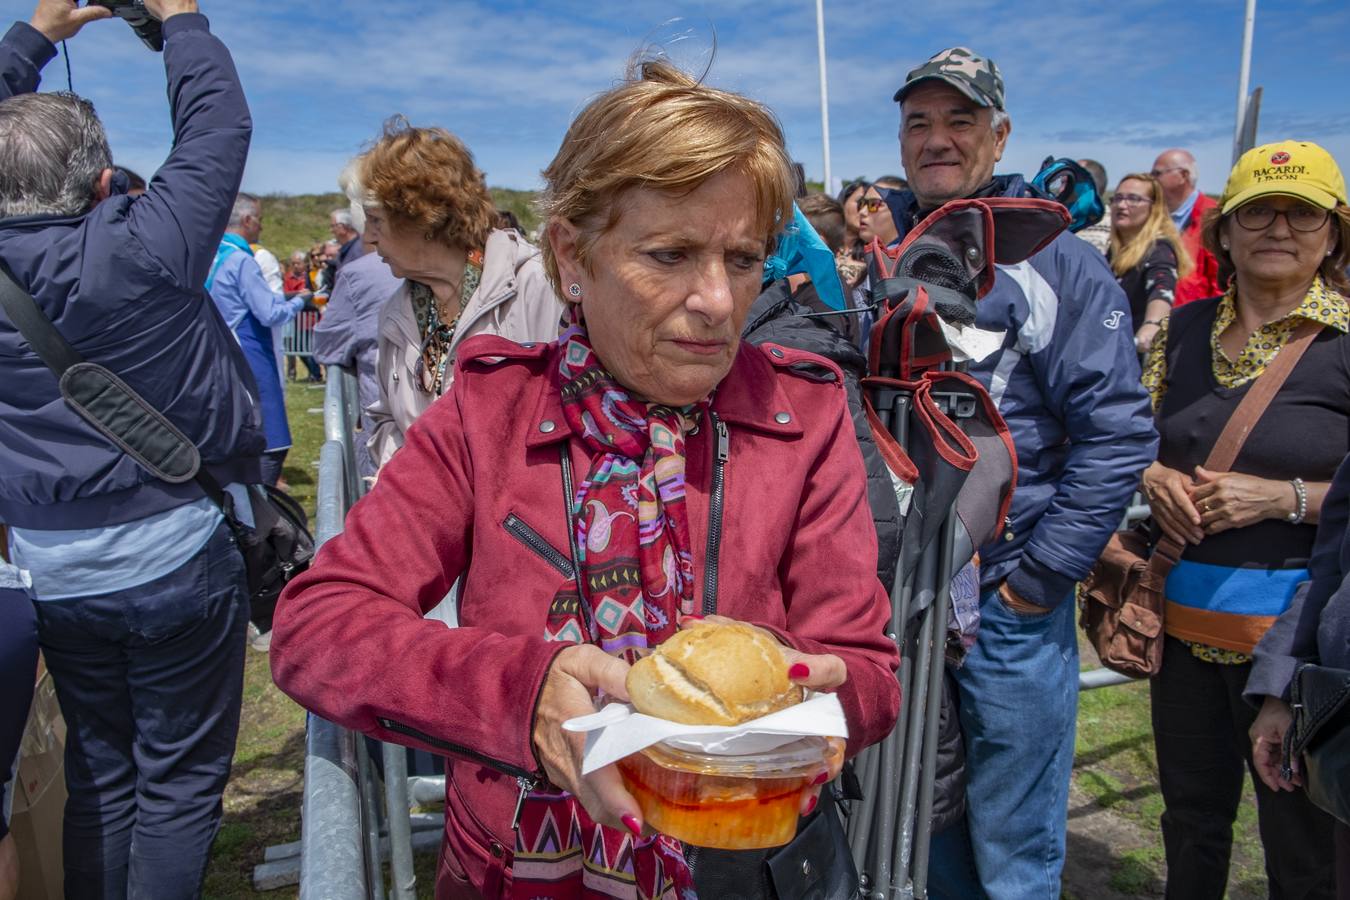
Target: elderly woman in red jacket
<point>594,492</point>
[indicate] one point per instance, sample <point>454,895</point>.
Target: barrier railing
<point>298,338</point>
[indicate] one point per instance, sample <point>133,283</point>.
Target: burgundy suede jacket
<point>477,492</point>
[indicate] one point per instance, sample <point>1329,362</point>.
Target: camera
<point>133,12</point>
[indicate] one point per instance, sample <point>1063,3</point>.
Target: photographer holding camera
<point>138,584</point>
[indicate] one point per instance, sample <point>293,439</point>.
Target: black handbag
<point>275,550</point>
<point>1320,734</point>
<point>817,864</point>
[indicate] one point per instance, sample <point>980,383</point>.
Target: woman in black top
<point>1145,253</point>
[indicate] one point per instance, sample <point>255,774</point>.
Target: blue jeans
<point>150,681</point>
<point>1018,694</point>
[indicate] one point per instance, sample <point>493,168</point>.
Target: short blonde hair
<point>425,179</point>
<point>661,129</point>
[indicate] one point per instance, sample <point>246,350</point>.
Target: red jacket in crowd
<point>1203,281</point>
<point>798,556</point>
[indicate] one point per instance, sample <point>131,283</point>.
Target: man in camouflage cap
<point>1066,380</point>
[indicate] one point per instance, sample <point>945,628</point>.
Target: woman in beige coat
<point>430,217</point>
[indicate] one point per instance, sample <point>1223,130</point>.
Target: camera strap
<point>106,402</point>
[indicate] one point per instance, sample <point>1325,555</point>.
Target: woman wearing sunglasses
<point>1145,253</point>
<point>430,217</point>
<point>1283,228</point>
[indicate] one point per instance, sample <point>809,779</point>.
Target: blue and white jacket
<point>1067,382</point>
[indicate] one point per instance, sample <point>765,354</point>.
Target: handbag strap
<point>56,352</point>
<point>1235,433</point>
<point>1258,397</point>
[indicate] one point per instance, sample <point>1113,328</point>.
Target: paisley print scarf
<point>637,572</point>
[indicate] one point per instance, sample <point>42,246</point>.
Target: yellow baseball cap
<point>1289,169</point>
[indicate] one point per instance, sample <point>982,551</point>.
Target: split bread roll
<point>713,675</point>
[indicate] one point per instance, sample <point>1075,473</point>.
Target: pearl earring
<point>574,290</point>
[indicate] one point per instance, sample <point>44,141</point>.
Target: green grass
<point>1115,765</point>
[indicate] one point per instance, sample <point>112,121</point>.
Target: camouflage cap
<point>973,75</point>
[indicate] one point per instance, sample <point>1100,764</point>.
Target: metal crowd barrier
<point>298,338</point>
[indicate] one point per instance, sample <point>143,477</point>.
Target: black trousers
<point>1200,724</point>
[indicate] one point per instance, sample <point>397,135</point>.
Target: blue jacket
<point>348,335</point>
<point>1067,382</point>
<point>250,309</point>
<point>123,283</point>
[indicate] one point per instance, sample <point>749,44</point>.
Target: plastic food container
<point>725,802</point>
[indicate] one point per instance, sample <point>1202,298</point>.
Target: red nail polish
<point>811,806</point>
<point>821,778</point>
<point>632,824</point>
<point>799,671</point>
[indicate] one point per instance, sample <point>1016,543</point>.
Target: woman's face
<point>398,245</point>
<point>671,287</point>
<point>875,219</point>
<point>1131,204</point>
<point>1275,252</point>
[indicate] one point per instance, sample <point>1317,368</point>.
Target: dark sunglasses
<point>870,204</point>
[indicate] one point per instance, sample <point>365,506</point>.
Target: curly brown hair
<point>1332,269</point>
<point>662,130</point>
<point>425,179</point>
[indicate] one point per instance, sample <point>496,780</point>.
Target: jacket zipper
<point>715,503</point>
<point>528,781</point>
<point>459,750</point>
<point>522,532</point>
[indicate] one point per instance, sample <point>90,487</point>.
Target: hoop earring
<point>574,290</point>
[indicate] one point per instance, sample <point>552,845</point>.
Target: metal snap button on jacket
<point>547,426</point>
<point>782,418</point>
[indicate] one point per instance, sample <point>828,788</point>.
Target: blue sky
<point>1117,80</point>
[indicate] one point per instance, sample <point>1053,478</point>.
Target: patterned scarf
<point>638,573</point>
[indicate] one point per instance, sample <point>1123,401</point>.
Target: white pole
<point>1244,75</point>
<point>825,93</point>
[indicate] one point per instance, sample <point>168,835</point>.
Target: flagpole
<point>825,94</point>
<point>1244,76</point>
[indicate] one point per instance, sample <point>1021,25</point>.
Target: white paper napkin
<point>618,731</point>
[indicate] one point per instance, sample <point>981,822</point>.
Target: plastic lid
<point>801,757</point>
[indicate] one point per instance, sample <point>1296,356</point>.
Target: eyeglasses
<point>870,204</point>
<point>1304,218</point>
<point>1130,200</point>
<point>1158,173</point>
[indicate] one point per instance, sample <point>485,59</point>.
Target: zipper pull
<point>526,785</point>
<point>723,441</point>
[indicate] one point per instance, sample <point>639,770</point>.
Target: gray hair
<point>245,205</point>
<point>350,183</point>
<point>343,217</point>
<point>998,118</point>
<point>53,150</point>
<point>332,243</point>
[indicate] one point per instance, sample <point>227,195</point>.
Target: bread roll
<point>713,675</point>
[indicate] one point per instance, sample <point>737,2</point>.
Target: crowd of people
<point>587,442</point>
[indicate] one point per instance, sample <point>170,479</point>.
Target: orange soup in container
<point>726,802</point>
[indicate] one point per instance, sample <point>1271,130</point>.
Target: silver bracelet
<point>1301,503</point>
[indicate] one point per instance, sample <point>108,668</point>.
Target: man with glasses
<point>1066,380</point>
<point>1176,171</point>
